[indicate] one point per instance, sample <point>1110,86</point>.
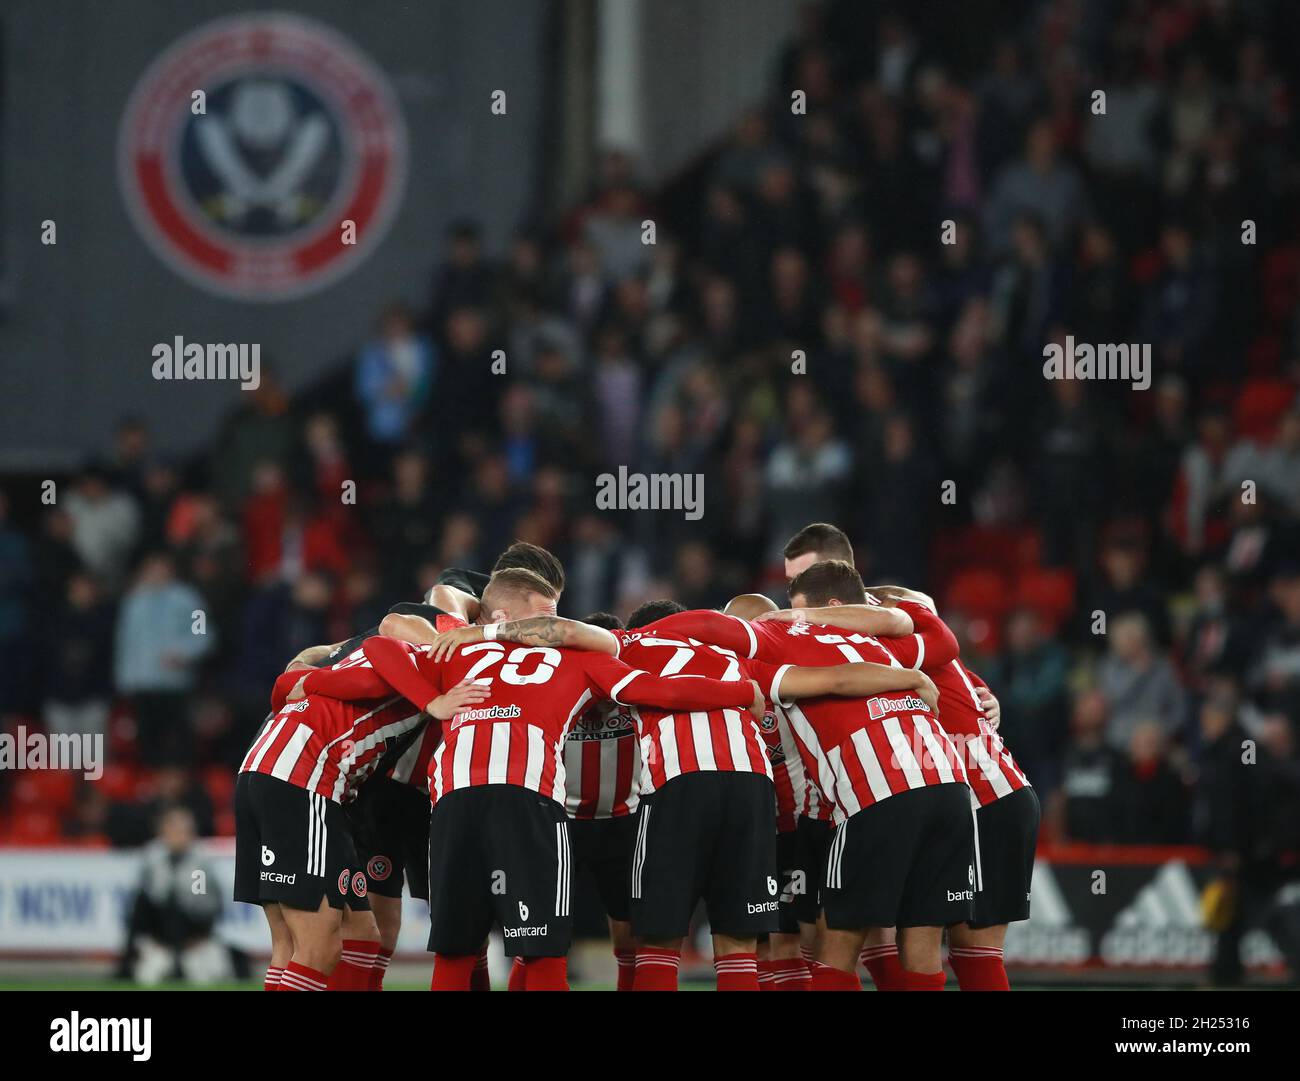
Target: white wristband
<point>490,632</point>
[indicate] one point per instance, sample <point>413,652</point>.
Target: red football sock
<point>626,968</point>
<point>736,972</point>
<point>518,976</point>
<point>379,968</point>
<point>656,969</point>
<point>766,974</point>
<point>979,968</point>
<point>352,973</point>
<point>481,980</point>
<point>452,973</point>
<point>924,981</point>
<point>885,968</point>
<point>789,974</point>
<point>546,974</point>
<point>271,981</point>
<point>825,978</point>
<point>298,977</point>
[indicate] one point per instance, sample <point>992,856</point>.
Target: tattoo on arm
<point>536,631</point>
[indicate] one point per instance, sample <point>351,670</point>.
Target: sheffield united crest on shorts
<point>246,190</point>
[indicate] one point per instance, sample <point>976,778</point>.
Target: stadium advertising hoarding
<point>1096,911</point>
<point>1125,910</point>
<point>69,902</point>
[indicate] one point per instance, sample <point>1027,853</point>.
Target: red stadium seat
<point>1260,406</point>
<point>121,736</point>
<point>34,828</point>
<point>1005,549</point>
<point>1050,593</point>
<point>978,593</point>
<point>42,789</point>
<point>984,635</point>
<point>220,784</point>
<point>120,782</point>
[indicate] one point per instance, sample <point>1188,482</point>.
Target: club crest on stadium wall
<point>262,156</point>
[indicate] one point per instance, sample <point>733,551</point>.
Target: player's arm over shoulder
<point>418,624</point>
<point>311,657</point>
<point>872,619</point>
<point>707,625</point>
<point>788,683</point>
<point>408,628</point>
<point>558,632</point>
<point>455,602</point>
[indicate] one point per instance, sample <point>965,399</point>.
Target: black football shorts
<point>499,854</point>
<point>390,823</point>
<point>604,846</point>
<point>813,836</point>
<point>1006,834</point>
<point>293,847</point>
<point>707,836</point>
<point>907,861</point>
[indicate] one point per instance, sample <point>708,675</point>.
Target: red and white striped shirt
<point>602,763</point>
<point>327,745</point>
<point>855,752</point>
<point>676,742</point>
<point>787,769</point>
<point>805,799</point>
<point>859,757</point>
<point>413,766</point>
<point>990,769</point>
<point>517,735</point>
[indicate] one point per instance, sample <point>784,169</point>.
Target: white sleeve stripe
<point>774,692</point>
<point>623,683</point>
<point>753,638</point>
<point>920,651</point>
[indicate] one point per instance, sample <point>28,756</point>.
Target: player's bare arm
<point>875,620</point>
<point>857,680</point>
<point>455,602</point>
<point>553,631</point>
<point>891,594</point>
<point>311,656</point>
<point>408,628</point>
